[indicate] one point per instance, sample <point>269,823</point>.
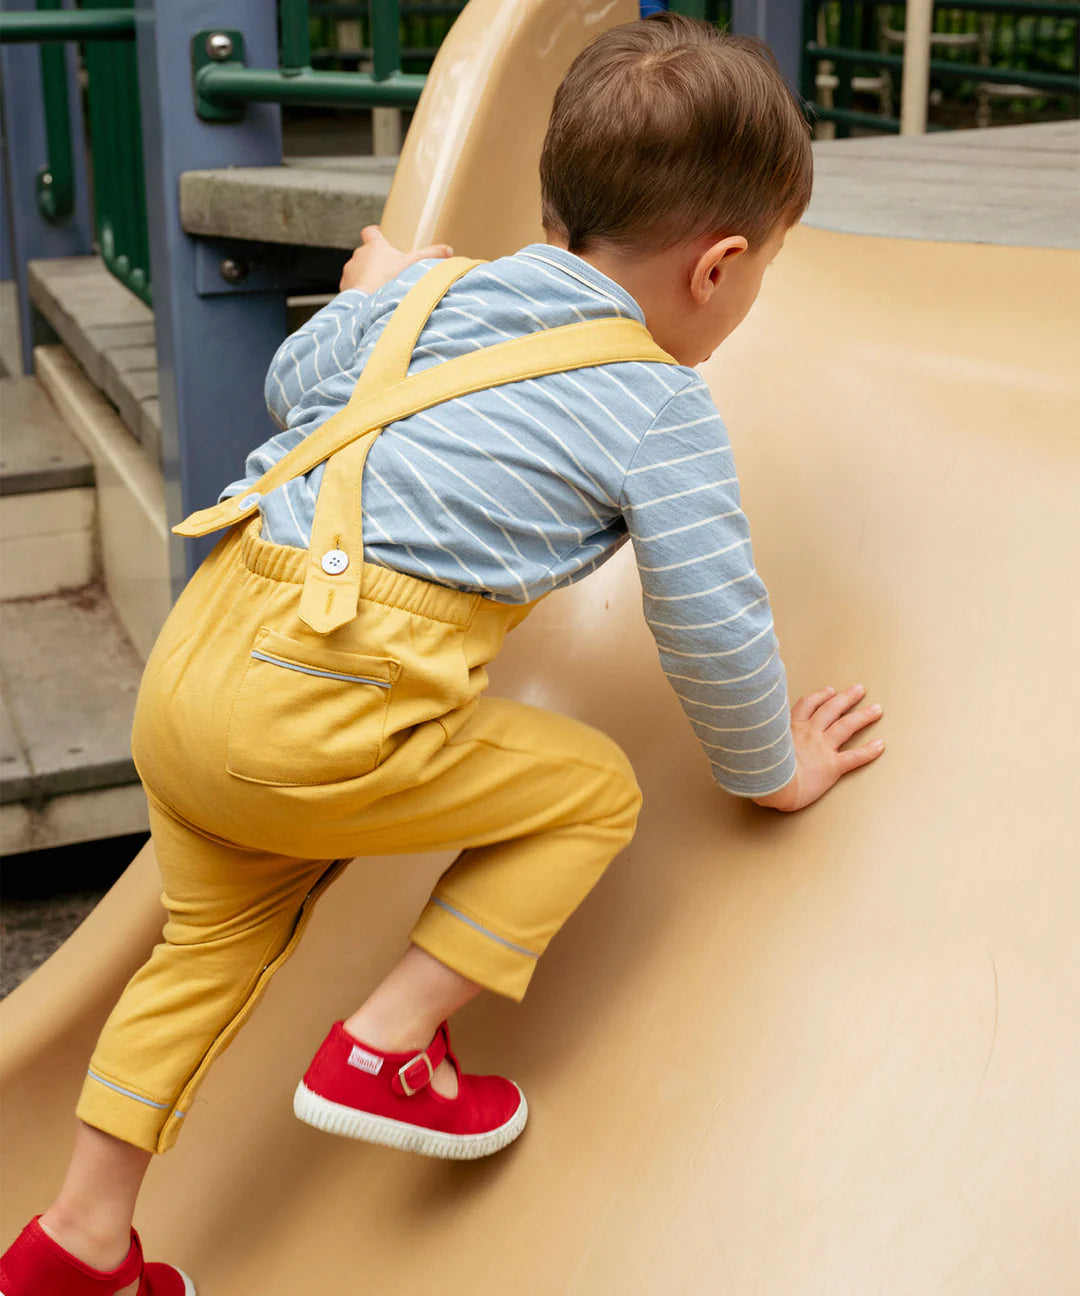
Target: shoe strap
<point>415,1074</point>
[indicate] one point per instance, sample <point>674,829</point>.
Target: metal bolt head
<point>46,178</point>
<point>233,270</point>
<point>219,46</point>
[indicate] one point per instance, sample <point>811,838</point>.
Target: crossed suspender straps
<point>386,393</point>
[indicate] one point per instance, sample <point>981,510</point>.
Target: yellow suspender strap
<point>330,598</point>
<point>390,395</point>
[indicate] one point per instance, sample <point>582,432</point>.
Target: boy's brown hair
<point>667,129</point>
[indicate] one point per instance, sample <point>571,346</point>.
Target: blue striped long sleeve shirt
<point>516,490</point>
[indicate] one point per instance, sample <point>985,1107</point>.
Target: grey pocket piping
<point>311,670</point>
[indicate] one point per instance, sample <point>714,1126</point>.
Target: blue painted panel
<point>213,351</point>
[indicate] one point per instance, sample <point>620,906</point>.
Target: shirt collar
<point>579,269</point>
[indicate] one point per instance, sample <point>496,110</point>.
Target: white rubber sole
<point>189,1286</point>
<point>350,1123</point>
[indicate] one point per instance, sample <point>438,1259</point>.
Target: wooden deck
<point>1013,185</point>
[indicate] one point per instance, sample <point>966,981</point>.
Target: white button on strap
<point>248,500</point>
<point>335,561</point>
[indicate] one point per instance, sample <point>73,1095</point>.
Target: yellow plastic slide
<point>830,1054</point>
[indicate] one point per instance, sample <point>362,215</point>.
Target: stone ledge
<point>319,202</point>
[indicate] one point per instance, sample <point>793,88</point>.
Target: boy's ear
<point>711,266</point>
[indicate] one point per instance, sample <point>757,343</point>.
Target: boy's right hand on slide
<point>375,262</point>
<point>820,725</point>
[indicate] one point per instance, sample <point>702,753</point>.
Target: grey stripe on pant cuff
<point>471,922</point>
<point>127,1093</point>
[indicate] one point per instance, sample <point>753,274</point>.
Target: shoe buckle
<point>409,1090</point>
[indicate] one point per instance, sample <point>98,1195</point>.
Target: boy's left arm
<point>709,612</point>
<point>705,603</point>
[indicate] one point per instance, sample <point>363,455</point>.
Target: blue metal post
<point>30,235</point>
<point>212,350</point>
<point>7,265</point>
<point>779,24</point>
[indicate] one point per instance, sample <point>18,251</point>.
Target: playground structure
<point>833,1051</point>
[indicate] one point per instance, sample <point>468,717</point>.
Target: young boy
<point>316,692</point>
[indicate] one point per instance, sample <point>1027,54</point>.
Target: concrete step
<point>110,332</point>
<point>68,681</point>
<point>47,498</point>
<point>312,202</point>
<point>37,450</point>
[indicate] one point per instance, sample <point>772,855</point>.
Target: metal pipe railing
<point>67,25</point>
<point>55,181</point>
<point>1061,81</point>
<point>224,83</point>
<point>1014,8</point>
<point>385,39</point>
<point>233,84</point>
<point>409,9</point>
<point>295,54</point>
<point>855,117</point>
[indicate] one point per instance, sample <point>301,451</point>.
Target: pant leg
<point>539,804</point>
<point>234,917</point>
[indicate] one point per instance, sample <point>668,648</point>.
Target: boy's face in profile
<point>722,285</point>
<point>693,295</point>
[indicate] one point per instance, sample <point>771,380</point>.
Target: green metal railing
<point>55,181</point>
<point>116,154</point>
<point>112,103</point>
<point>224,84</point>
<point>343,36</point>
<point>961,71</point>
<point>50,23</point>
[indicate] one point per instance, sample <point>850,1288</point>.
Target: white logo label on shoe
<point>365,1061</point>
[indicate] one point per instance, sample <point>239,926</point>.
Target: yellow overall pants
<point>302,707</point>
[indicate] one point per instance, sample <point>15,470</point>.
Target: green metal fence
<point>55,181</point>
<point>341,33</point>
<point>398,43</point>
<point>112,107</point>
<point>1009,52</point>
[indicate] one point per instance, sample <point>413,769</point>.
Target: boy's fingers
<point>852,760</point>
<point>806,706</point>
<point>371,234</point>
<point>849,725</point>
<point>832,710</point>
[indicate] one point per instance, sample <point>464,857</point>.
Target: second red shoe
<point>37,1265</point>
<point>361,1092</point>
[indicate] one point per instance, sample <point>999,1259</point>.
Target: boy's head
<point>670,142</point>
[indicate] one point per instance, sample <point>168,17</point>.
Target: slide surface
<point>828,1054</point>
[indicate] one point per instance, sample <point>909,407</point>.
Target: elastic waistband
<point>380,584</point>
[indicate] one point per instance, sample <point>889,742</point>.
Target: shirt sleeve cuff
<point>749,785</point>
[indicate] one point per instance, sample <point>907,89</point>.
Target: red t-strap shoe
<point>36,1265</point>
<point>361,1092</point>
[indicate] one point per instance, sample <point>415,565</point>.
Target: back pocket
<point>307,714</point>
